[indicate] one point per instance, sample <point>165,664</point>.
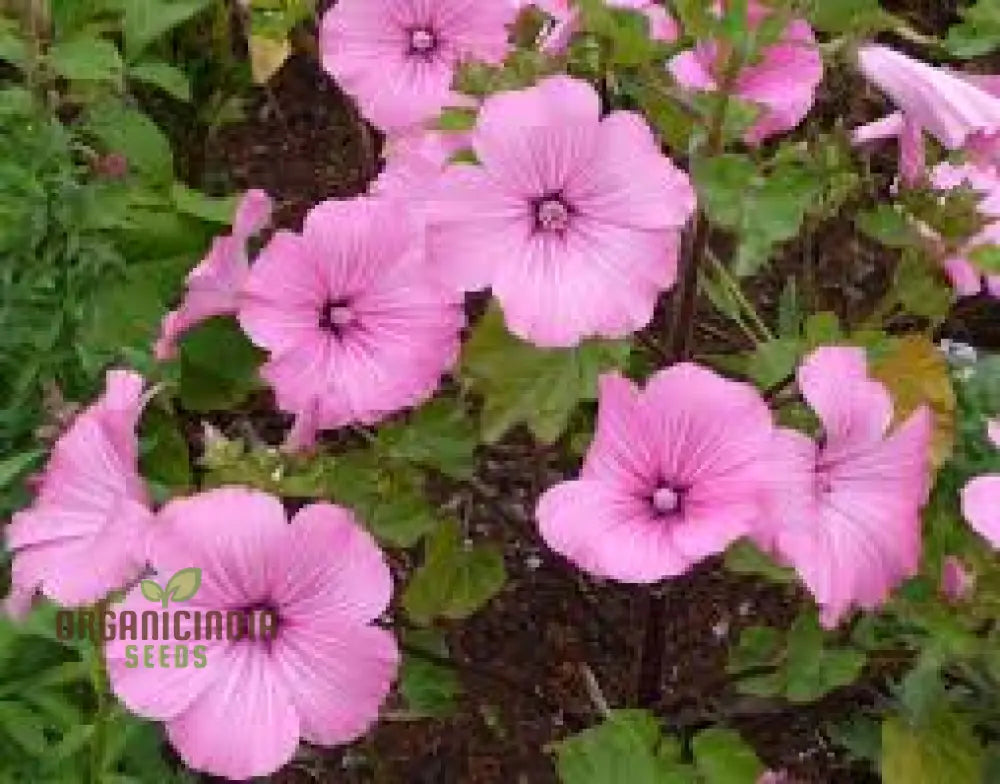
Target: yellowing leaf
<point>917,374</point>
<point>945,749</point>
<point>267,55</point>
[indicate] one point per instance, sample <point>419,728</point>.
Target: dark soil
<point>524,659</point>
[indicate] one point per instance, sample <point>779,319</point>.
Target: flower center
<point>422,40</point>
<point>552,214</point>
<point>335,316</point>
<point>261,623</point>
<point>666,500</point>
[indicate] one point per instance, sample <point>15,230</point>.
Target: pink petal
<point>981,507</point>
<point>888,127</point>
<point>338,677</point>
<point>853,409</point>
<point>621,452</point>
<point>945,105</point>
<point>957,582</point>
<point>608,532</point>
<point>964,277</point>
<point>993,431</point>
<point>252,214</point>
<point>228,533</point>
<point>693,69</point>
<point>261,740</point>
<point>310,585</point>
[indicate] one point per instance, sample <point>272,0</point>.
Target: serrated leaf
<point>520,383</point>
<point>812,669</point>
<point>916,374</point>
<point>86,60</point>
<point>723,757</point>
<point>454,581</point>
<point>172,80</point>
<point>438,435</point>
<point>151,590</point>
<point>429,688</point>
<point>184,584</point>
<point>627,747</point>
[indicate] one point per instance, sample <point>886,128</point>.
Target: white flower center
<point>666,500</point>
<point>552,214</point>
<point>422,40</point>
<point>335,316</point>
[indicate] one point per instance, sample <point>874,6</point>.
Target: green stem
<point>731,283</point>
<point>99,682</point>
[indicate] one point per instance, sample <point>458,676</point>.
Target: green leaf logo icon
<point>181,587</point>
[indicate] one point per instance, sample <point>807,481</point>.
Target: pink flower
<point>981,498</point>
<point>85,533</point>
<point>414,161</point>
<point>673,476</point>
<point>957,582</point>
<point>321,677</point>
<point>213,287</point>
<point>355,329</point>
<point>662,26</point>
<point>782,83</point>
<point>957,109</point>
<point>572,219</point>
<point>846,513</point>
<point>398,58</point>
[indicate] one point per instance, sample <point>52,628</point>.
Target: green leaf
<point>86,60</point>
<point>429,688</point>
<point>12,467</point>
<point>151,590</point>
<point>520,383</point>
<point>723,757</point>
<point>987,259</point>
<point>849,16</point>
<point>762,210</point>
<point>148,20</point>
<point>172,80</point>
<point>207,208</point>
<point>944,750</point>
<point>456,120</point>
<point>125,130</point>
<point>888,225</point>
<point>455,580</point>
<point>746,558</point>
<point>758,646</point>
<point>438,435</point>
<point>13,47</point>
<point>165,457</point>
<point>979,31</point>
<point>813,670</point>
<point>184,584</point>
<point>774,362</point>
<point>24,727</point>
<point>627,748</point>
<point>388,497</point>
<point>218,367</point>
<point>921,288</point>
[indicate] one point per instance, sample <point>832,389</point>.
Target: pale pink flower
<point>84,535</point>
<point>981,498</point>
<point>321,677</point>
<point>957,109</point>
<point>414,161</point>
<point>672,477</point>
<point>398,58</point>
<point>566,21</point>
<point>782,82</point>
<point>354,327</point>
<point>957,582</point>
<point>845,513</point>
<point>213,287</point>
<point>959,265</point>
<point>573,220</point>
